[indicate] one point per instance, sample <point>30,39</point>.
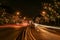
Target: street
<point>30,33</point>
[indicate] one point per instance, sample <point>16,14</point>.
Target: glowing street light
<point>18,13</point>
<point>24,17</point>
<point>43,13</point>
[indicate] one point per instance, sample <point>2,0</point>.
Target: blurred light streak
<point>46,26</point>
<point>48,35</point>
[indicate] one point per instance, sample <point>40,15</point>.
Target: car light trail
<point>46,26</point>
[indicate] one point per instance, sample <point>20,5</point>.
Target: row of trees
<point>50,14</point>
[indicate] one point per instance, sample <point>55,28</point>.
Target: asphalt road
<point>30,33</point>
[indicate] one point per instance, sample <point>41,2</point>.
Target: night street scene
<point>29,19</point>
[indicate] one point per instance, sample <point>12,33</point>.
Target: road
<point>30,33</point>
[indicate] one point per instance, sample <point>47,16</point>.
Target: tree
<point>53,11</point>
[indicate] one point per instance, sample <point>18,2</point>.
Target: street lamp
<point>43,13</point>
<point>18,13</point>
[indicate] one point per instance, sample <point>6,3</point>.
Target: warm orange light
<point>24,17</point>
<point>18,13</point>
<point>43,12</point>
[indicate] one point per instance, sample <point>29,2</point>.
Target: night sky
<point>29,7</point>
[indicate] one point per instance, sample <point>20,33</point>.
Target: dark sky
<point>28,7</point>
